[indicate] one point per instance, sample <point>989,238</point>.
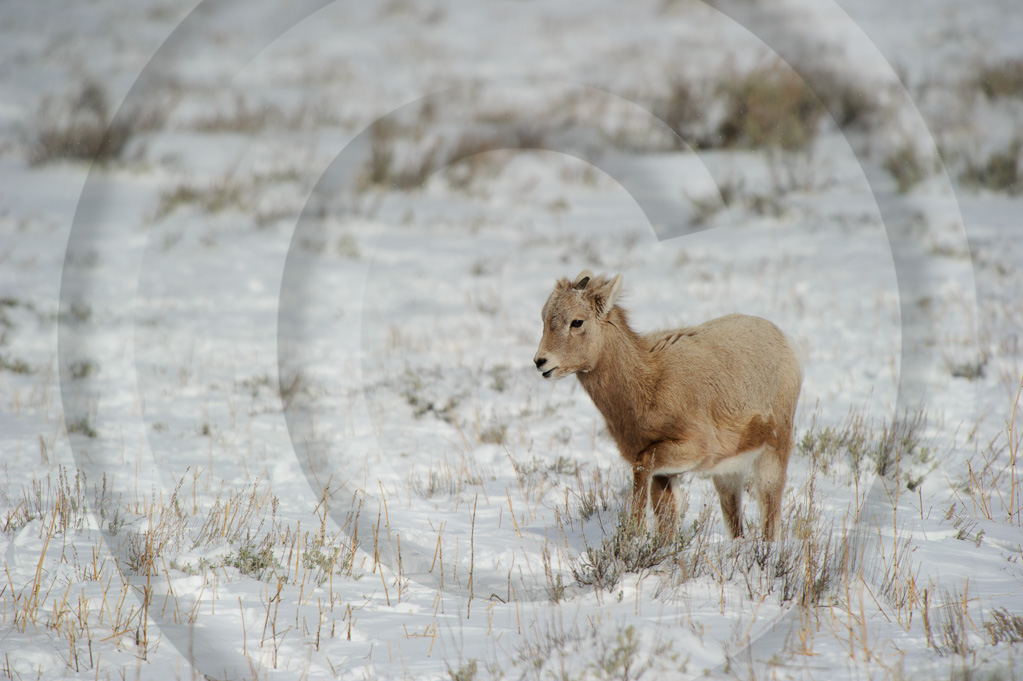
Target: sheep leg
<point>654,468</point>
<point>729,487</point>
<point>769,478</point>
<point>640,494</point>
<point>663,500</point>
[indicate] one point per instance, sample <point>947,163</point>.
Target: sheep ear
<point>582,279</point>
<point>605,297</point>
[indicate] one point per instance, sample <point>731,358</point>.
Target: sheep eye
<point>576,323</point>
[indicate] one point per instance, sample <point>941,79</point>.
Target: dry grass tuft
<point>464,155</point>
<point>995,485</point>
<point>630,550</point>
<point>770,106</point>
<point>1004,627</point>
<point>82,128</point>
<point>999,172</point>
<point>908,167</point>
<point>1001,79</point>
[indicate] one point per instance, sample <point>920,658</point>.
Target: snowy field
<point>270,289</point>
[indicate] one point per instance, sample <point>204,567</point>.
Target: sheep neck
<point>621,382</point>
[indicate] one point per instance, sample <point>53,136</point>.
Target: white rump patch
<point>740,463</point>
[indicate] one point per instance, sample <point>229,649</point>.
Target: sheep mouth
<point>547,374</point>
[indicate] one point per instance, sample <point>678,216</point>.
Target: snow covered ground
<point>267,406</point>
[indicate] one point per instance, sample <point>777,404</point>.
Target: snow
<point>262,417</point>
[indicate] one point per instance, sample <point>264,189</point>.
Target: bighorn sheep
<point>717,398</point>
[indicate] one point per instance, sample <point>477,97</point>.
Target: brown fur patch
<point>756,434</point>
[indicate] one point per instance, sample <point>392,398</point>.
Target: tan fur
<point>717,398</point>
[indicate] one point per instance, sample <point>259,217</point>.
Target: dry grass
<point>231,191</point>
<point>1001,79</point>
<point>250,118</point>
<point>1000,172</point>
<point>684,109</point>
<point>815,567</point>
<point>995,486</point>
<point>83,128</point>
<point>631,549</point>
<point>111,593</point>
<point>770,106</point>
<point>614,652</point>
<point>445,478</point>
<point>213,197</point>
<point>1004,627</point>
<point>859,446</point>
<point>463,156</point>
<point>851,105</point>
<point>908,167</point>
<point>948,626</point>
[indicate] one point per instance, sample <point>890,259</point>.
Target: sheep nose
<point>540,361</point>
